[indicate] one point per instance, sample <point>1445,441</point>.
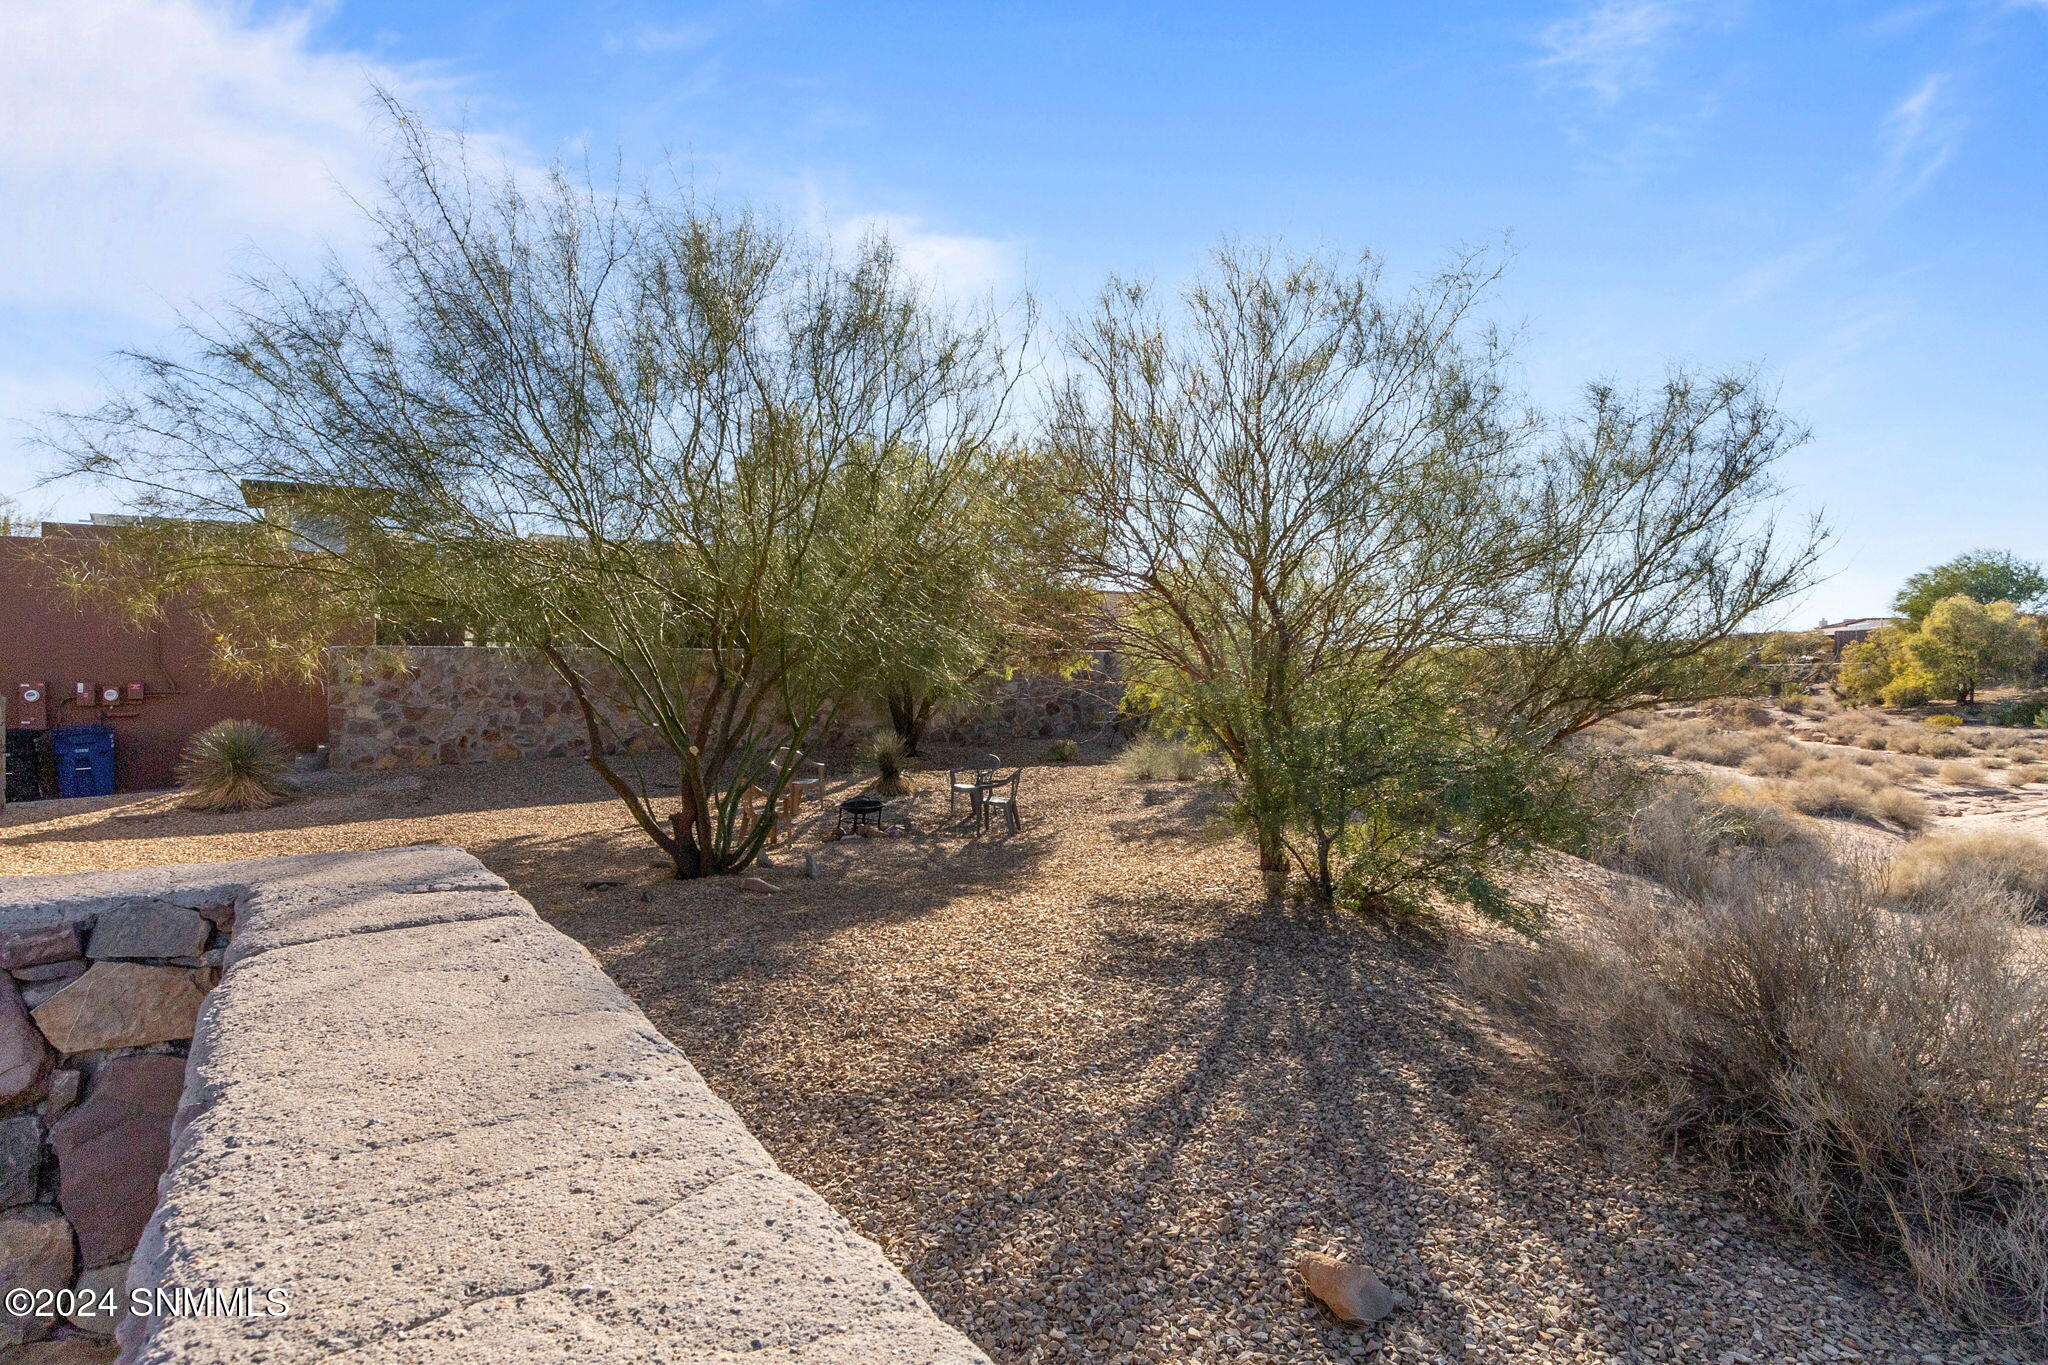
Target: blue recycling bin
<point>85,759</point>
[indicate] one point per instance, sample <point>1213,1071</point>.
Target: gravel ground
<point>1094,1097</point>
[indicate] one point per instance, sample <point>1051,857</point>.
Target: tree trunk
<point>1272,863</point>
<point>908,715</point>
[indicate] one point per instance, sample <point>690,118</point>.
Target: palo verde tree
<point>1005,591</point>
<point>667,447</point>
<point>1337,523</point>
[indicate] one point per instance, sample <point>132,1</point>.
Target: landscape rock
<point>1353,1292</point>
<point>33,947</point>
<point>148,931</point>
<point>120,1004</point>
<point>52,971</point>
<point>112,1148</point>
<point>63,1089</point>
<point>34,993</point>
<point>22,1053</point>
<point>220,915</point>
<point>100,1282</point>
<point>21,1159</point>
<point>758,884</point>
<point>35,1254</point>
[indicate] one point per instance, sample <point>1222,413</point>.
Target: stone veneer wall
<point>424,706</point>
<point>97,1008</point>
<point>440,1132</point>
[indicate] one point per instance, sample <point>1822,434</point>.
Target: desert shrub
<point>235,765</point>
<point>1869,739</point>
<point>1944,746</point>
<point>1911,686</point>
<point>2027,774</point>
<point>1903,741</point>
<point>1961,774</point>
<point>1834,796</point>
<point>2025,711</point>
<point>1897,806</point>
<point>885,752</point>
<point>1154,757</point>
<point>1742,713</point>
<point>1687,830</point>
<point>1876,1079</point>
<point>1995,761</point>
<point>1704,744</point>
<point>1945,866</point>
<point>1775,758</point>
<point>1063,751</point>
<point>1943,722</point>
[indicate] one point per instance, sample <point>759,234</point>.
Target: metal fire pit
<point>857,813</point>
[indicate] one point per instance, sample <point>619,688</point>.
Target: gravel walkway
<point>1093,1097</point>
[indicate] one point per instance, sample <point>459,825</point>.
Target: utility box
<point>85,759</point>
<point>32,706</point>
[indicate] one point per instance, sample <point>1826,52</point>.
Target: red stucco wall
<point>46,638</point>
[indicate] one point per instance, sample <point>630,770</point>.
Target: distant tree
<point>1980,575</point>
<point>1964,643</point>
<point>1868,666</point>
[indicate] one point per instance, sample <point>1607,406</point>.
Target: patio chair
<point>807,775</point>
<point>1000,794</point>
<point>979,770</point>
<point>786,812</point>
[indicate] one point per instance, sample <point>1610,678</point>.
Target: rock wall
<point>418,1124</point>
<point>424,706</point>
<point>97,1010</point>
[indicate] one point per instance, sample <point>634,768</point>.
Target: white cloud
<point>1612,47</point>
<point>959,265</point>
<point>144,143</point>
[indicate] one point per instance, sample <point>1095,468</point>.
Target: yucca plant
<point>235,765</point>
<point>886,751</point>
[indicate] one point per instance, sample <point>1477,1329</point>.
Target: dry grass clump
<point>235,765</point>
<point>1986,861</point>
<point>1961,774</point>
<point>1683,834</point>
<point>1153,758</point>
<point>1879,1080</point>
<point>2027,774</point>
<point>1740,713</point>
<point>1699,742</point>
<point>1897,806</point>
<point>1775,758</point>
<point>1944,746</point>
<point>1838,787</point>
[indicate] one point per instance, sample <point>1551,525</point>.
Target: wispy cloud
<point>1918,136</point>
<point>960,265</point>
<point>1614,46</point>
<point>654,38</point>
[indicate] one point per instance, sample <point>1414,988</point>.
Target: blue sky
<point>1854,196</point>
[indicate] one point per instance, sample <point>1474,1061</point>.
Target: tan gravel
<point>1095,1098</point>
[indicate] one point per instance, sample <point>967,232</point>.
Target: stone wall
<point>97,1010</point>
<point>418,1124</point>
<point>425,706</point>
